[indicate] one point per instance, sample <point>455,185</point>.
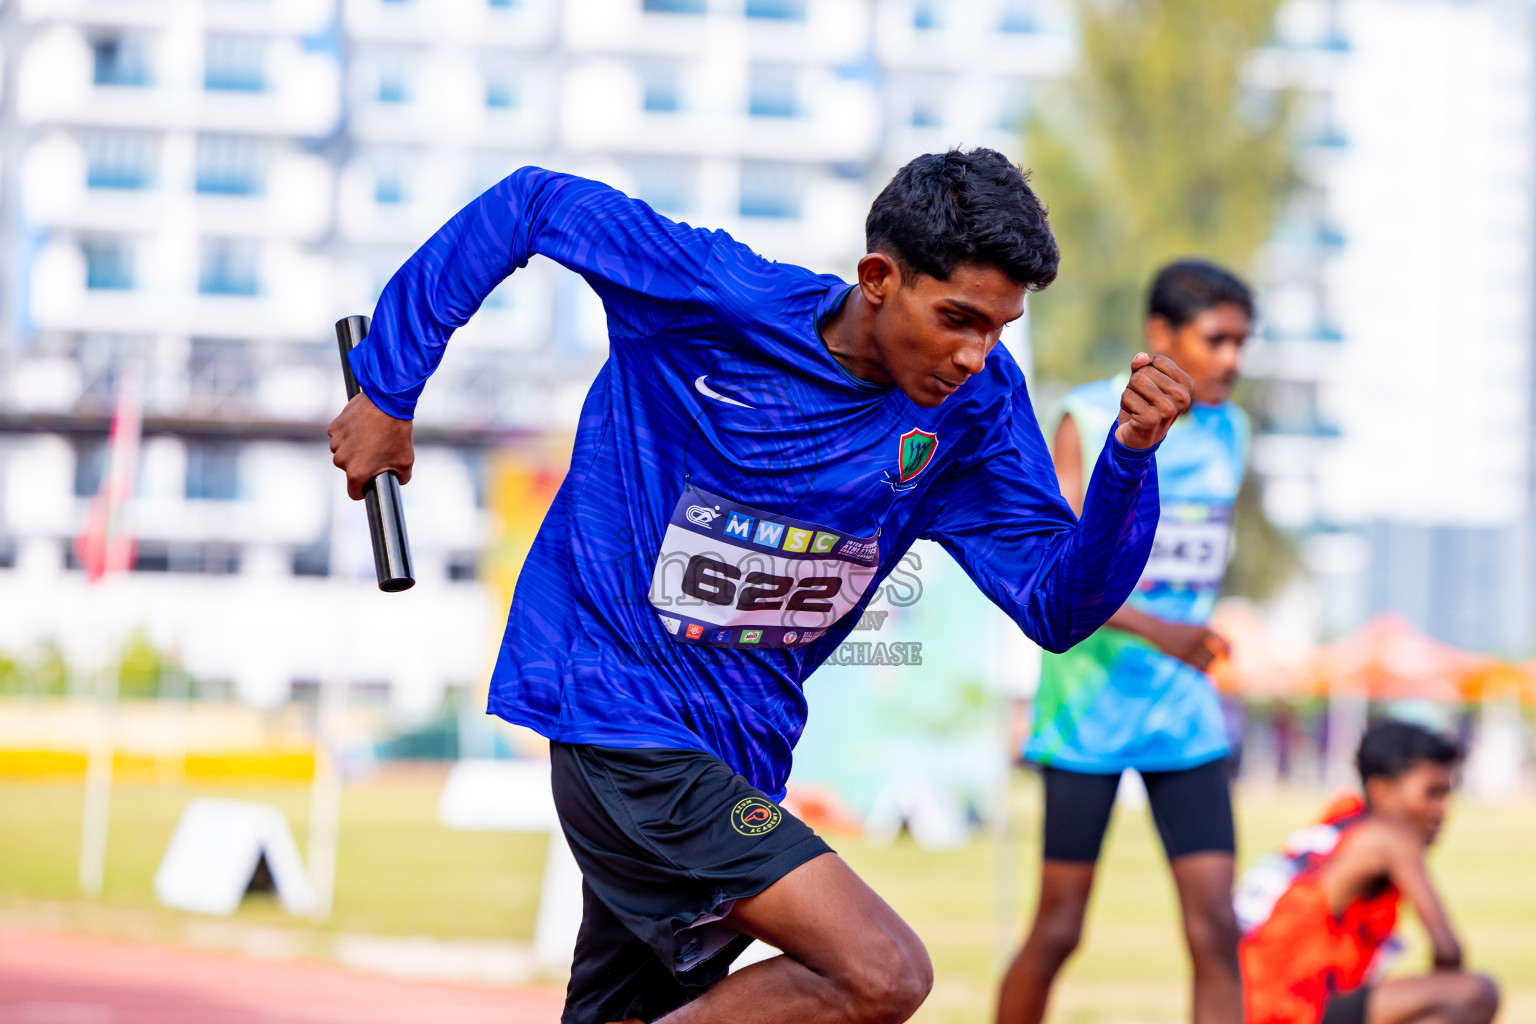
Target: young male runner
<point>1320,916</point>
<point>761,447</point>
<point>1134,695</point>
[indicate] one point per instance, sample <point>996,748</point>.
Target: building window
<point>1013,108</point>
<point>389,184</point>
<point>925,15</point>
<point>393,84</point>
<point>501,94</point>
<point>674,6</point>
<point>1018,17</point>
<point>777,10</point>
<point>660,88</point>
<point>666,184</point>
<point>770,189</point>
<point>213,558</point>
<point>229,165</point>
<point>213,471</point>
<point>118,60</point>
<point>771,92</point>
<point>235,63</point>
<point>219,375</point>
<point>90,466</point>
<point>312,559</point>
<point>925,110</point>
<point>228,267</point>
<point>118,160</point>
<point>500,89</point>
<point>108,264</point>
<point>500,297</point>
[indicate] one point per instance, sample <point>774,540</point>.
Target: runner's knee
<point>887,985</point>
<point>1056,937</point>
<point>1212,935</point>
<point>1462,997</point>
<point>1479,1000</point>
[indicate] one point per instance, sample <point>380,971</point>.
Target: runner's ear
<point>879,275</point>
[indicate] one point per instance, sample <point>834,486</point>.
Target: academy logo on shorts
<point>754,816</point>
<point>670,624</point>
<point>790,636</point>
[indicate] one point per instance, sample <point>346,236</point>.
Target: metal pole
<point>325,795</point>
<point>98,786</point>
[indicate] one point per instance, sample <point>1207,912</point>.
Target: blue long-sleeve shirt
<point>735,497</point>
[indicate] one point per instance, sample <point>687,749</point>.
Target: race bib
<point>1191,546</point>
<point>734,576</point>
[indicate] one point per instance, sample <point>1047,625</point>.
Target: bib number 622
<point>714,582</point>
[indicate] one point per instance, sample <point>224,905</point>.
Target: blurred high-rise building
<point>201,187</point>
<point>1395,383</point>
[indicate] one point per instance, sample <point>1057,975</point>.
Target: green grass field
<point>402,874</point>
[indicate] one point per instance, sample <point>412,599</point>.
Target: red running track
<point>48,978</point>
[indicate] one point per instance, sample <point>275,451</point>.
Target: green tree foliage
<point>147,671</point>
<point>1153,150</point>
<point>142,668</point>
<point>43,675</point>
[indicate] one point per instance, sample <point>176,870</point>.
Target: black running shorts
<point>1192,809</point>
<point>1348,1007</point>
<point>666,841</point>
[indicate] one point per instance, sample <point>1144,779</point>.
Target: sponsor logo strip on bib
<point>735,576</point>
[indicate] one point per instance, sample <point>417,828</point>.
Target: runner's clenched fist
<point>1158,393</point>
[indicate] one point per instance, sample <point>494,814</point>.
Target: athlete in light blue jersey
<point>762,446</point>
<point>1135,694</point>
<point>1131,696</point>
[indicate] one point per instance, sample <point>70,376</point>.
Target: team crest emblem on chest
<point>914,454</point>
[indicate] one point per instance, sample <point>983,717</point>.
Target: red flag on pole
<point>105,545</point>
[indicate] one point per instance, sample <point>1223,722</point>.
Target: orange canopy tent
<point>1258,665</point>
<point>1386,659</point>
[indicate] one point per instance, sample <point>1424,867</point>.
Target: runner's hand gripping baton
<point>381,497</point>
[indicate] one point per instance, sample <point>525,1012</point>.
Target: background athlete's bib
<point>1113,701</point>
<point>1193,541</point>
<point>731,575</point>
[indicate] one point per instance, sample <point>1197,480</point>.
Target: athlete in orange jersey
<point>1310,956</point>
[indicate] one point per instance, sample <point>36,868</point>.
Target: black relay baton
<point>381,496</point>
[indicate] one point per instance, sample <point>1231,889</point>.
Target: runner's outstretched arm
<point>1060,577</point>
<point>641,264</point>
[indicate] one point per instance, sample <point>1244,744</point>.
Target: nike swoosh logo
<point>709,392</point>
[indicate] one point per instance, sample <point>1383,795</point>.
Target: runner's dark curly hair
<point>946,209</point>
<point>1183,290</point>
<point>1391,747</point>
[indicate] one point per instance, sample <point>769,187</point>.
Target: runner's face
<point>932,335</point>
<point>1209,348</point>
<point>1417,798</point>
